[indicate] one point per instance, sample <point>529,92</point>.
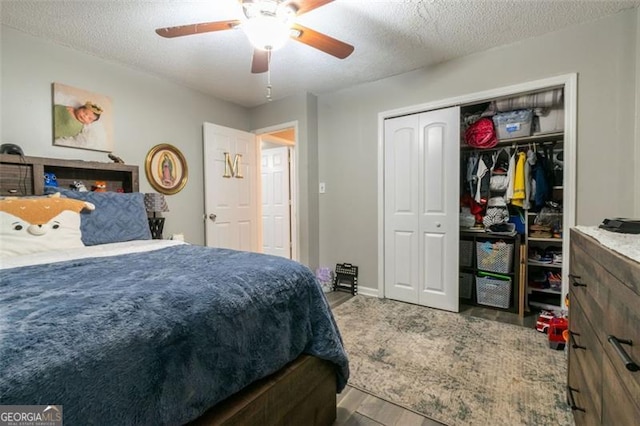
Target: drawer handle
<point>575,279</point>
<point>624,356</point>
<point>571,401</point>
<point>574,345</point>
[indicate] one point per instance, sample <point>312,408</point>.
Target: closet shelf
<point>544,290</point>
<point>546,306</point>
<point>547,214</point>
<point>545,265</point>
<point>546,240</point>
<point>548,137</point>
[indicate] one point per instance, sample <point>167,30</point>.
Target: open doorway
<point>278,189</point>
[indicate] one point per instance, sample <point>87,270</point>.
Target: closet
<point>422,180</point>
<point>512,191</point>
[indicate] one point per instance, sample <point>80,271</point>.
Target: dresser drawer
<point>622,321</point>
<point>585,410</point>
<point>620,407</point>
<point>584,284</point>
<point>585,358</point>
<point>623,268</point>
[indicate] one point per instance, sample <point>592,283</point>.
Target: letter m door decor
<point>232,169</point>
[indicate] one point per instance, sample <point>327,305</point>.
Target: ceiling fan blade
<point>304,6</point>
<point>321,41</point>
<point>205,27</point>
<point>260,61</point>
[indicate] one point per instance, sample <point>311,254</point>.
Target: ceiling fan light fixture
<point>266,32</point>
<point>269,24</point>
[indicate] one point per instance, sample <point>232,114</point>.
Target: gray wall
<point>147,111</point>
<point>603,53</point>
<point>303,109</point>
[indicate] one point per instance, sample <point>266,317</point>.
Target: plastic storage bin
<point>494,292</point>
<point>466,285</point>
<point>513,124</point>
<point>466,253</point>
<point>494,256</point>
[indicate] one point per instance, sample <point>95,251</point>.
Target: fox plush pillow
<point>32,225</point>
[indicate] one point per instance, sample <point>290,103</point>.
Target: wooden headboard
<point>25,175</point>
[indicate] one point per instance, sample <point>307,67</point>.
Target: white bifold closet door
<point>421,208</point>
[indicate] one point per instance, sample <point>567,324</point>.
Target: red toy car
<point>542,324</point>
<point>556,337</point>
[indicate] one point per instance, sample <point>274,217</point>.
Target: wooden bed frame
<point>25,175</point>
<point>301,393</point>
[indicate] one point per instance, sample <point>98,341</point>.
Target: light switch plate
<point>322,187</point>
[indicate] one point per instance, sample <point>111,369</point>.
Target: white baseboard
<point>367,291</point>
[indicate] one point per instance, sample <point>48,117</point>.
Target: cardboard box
<point>550,120</point>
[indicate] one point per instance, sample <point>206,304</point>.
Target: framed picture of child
<point>82,119</point>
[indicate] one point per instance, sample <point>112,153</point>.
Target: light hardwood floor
<point>358,408</point>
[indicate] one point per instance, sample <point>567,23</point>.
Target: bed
<point>160,332</point>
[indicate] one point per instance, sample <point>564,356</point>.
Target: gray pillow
<point>118,216</point>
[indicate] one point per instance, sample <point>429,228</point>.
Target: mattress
<point>155,334</point>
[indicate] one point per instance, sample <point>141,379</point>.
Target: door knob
<point>438,224</point>
<point>212,217</point>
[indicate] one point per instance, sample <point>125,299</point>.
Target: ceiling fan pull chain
<point>268,75</point>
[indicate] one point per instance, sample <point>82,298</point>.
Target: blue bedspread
<point>157,337</point>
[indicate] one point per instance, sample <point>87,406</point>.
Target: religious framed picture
<point>166,169</point>
<point>82,119</point>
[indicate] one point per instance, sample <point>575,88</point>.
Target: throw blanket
<point>156,337</point>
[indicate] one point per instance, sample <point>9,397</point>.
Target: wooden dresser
<point>604,328</point>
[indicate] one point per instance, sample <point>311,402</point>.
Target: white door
<point>421,203</point>
<point>401,206</point>
<point>230,185</point>
<point>276,206</point>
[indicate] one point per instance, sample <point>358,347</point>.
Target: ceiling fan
<point>268,24</point>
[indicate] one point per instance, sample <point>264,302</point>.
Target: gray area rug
<point>453,368</point>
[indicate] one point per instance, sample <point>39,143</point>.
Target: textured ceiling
<point>390,37</point>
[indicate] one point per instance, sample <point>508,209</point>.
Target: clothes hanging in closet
<point>519,191</point>
<point>511,173</point>
<point>542,178</point>
<point>531,161</point>
<point>482,178</point>
<point>472,164</point>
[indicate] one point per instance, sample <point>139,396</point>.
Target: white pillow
<point>32,225</point>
